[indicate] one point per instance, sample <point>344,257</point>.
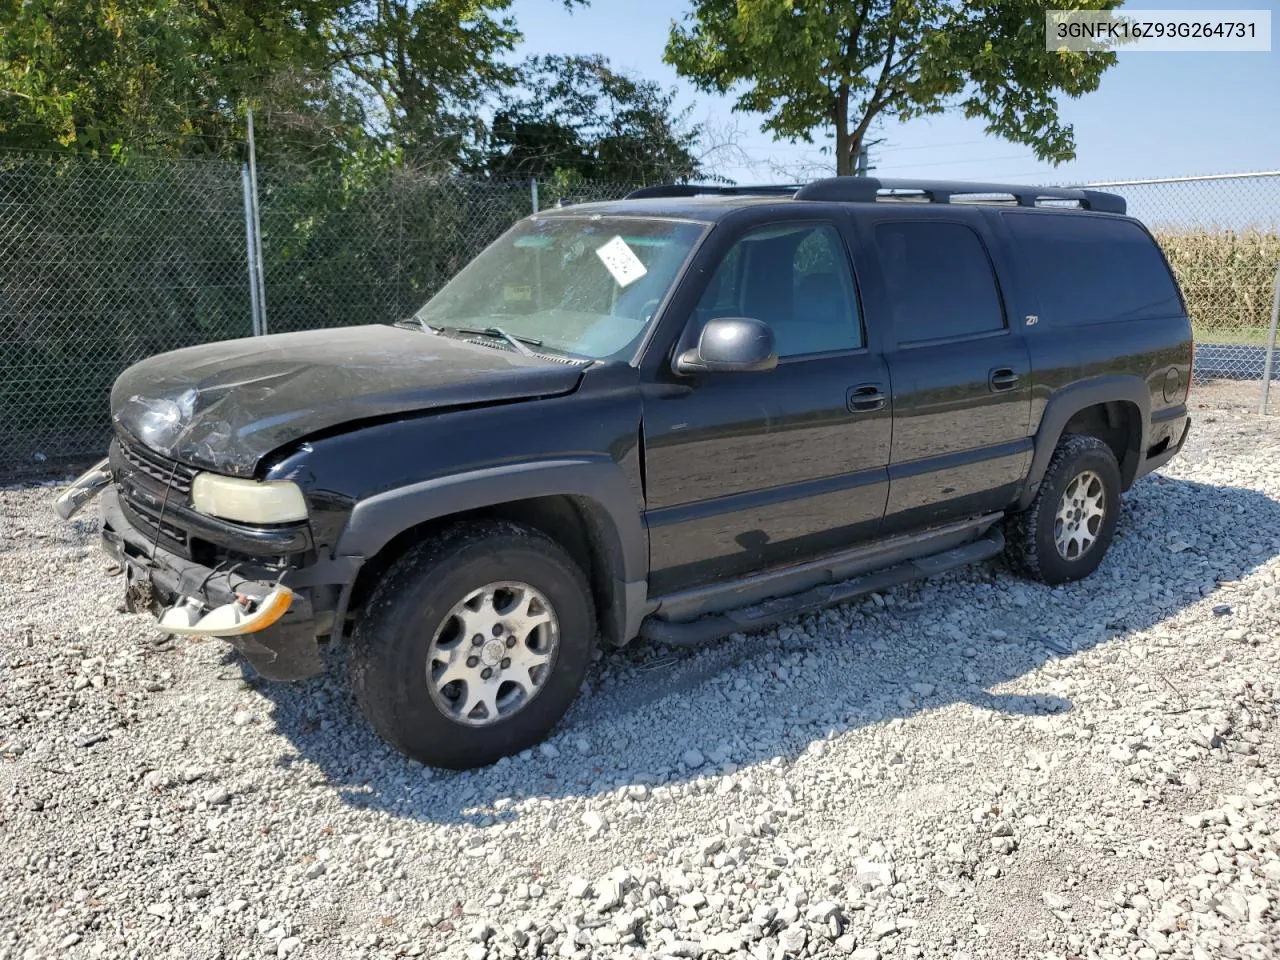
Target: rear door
<point>961,373</point>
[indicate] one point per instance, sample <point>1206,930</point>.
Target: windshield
<point>586,286</point>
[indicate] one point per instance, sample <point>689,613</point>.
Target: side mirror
<point>730,345</point>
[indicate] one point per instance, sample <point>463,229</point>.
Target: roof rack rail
<point>870,189</point>
<point>713,190</point>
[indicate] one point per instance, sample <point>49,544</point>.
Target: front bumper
<point>161,582</point>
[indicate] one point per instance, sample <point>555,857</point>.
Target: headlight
<point>248,501</point>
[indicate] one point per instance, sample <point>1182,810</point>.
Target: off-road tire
<point>1031,546</point>
<point>391,640</point>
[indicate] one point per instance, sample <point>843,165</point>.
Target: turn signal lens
<point>272,607</point>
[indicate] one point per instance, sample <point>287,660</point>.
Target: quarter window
<point>1093,269</point>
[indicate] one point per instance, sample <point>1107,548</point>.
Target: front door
<point>745,471</point>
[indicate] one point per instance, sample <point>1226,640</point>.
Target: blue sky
<point>1155,115</point>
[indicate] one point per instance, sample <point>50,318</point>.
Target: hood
<point>224,406</point>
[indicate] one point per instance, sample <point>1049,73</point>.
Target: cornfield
<point>1226,277</point>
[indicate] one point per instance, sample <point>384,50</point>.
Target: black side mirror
<point>730,345</point>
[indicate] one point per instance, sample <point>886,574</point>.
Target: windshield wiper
<point>517,342</point>
<point>413,323</point>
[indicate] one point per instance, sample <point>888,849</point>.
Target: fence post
<point>1271,340</point>
<point>400,191</point>
<point>257,230</point>
<point>250,249</point>
<point>533,192</point>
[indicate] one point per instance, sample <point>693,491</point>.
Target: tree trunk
<point>844,158</point>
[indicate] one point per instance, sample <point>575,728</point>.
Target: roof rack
<point>871,189</point>
<point>713,190</point>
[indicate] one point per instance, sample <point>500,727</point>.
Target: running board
<point>769,612</point>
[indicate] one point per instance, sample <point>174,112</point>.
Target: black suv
<point>687,413</point>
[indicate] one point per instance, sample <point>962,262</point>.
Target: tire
<point>1033,535</point>
<point>421,608</point>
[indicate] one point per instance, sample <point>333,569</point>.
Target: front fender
<point>377,519</point>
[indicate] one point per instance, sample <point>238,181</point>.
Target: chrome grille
<point>149,523</point>
<point>168,473</point>
<point>152,490</point>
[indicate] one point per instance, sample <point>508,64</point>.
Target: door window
<point>939,279</point>
<point>795,278</point>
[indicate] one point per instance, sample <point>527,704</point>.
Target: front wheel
<point>473,645</point>
<point>1066,531</point>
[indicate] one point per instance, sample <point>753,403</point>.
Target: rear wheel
<point>473,645</point>
<point>1066,531</point>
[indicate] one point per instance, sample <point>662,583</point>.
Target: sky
<point>1155,114</point>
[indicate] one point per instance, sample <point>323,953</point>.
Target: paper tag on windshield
<point>621,261</point>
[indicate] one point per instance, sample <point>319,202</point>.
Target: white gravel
<point>973,767</point>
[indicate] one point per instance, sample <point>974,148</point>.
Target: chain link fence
<point>103,264</point>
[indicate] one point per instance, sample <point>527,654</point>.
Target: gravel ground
<point>1239,396</point>
<point>973,767</point>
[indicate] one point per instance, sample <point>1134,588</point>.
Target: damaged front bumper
<point>268,591</point>
<point>275,622</point>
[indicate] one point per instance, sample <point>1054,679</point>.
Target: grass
<point>1251,336</point>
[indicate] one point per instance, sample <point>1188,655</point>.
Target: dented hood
<point>226,405</point>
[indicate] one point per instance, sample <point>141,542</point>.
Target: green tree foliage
<point>573,115</point>
<point>841,65</point>
<point>166,76</point>
<point>328,79</point>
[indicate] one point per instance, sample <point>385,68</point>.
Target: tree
<point>427,65</point>
<point>821,65</point>
<point>575,115</point>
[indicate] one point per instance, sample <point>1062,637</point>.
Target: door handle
<point>866,397</point>
<point>1002,378</point>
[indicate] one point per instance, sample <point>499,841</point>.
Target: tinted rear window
<point>1093,269</point>
<point>939,279</point>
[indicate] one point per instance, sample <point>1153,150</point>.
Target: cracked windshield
<point>585,287</point>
